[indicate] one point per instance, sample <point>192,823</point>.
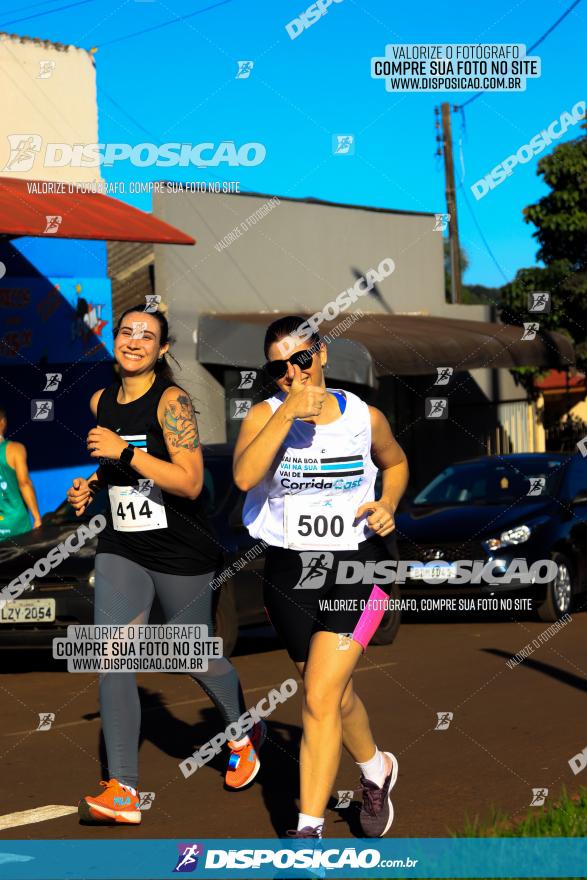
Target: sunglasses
<point>278,369</point>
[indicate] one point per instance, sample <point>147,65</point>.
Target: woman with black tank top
<point>157,542</point>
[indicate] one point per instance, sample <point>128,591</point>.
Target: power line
<point>552,27</point>
<point>127,114</point>
<point>48,12</point>
<point>531,48</point>
<point>146,131</point>
<point>480,231</point>
<point>157,27</point>
<point>474,98</point>
<point>30,6</point>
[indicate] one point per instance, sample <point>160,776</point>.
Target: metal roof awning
<point>239,343</point>
<point>392,345</point>
<point>25,207</point>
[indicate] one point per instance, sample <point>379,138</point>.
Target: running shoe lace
<point>372,798</point>
<point>111,782</point>
<point>305,832</point>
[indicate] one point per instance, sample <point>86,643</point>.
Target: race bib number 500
<point>137,508</point>
<point>319,523</point>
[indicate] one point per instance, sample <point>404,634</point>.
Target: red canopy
<point>557,380</point>
<point>28,208</point>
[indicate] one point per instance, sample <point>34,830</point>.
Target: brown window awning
<point>24,211</point>
<point>398,345</point>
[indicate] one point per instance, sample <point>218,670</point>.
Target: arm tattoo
<point>179,424</point>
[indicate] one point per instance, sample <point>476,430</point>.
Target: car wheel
<point>559,592</point>
<point>389,625</point>
<point>226,619</point>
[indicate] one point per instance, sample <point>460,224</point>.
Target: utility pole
<point>451,206</point>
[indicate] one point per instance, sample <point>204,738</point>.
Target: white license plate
<point>28,611</point>
<point>438,572</point>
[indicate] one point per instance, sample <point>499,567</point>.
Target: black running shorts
<point>302,595</point>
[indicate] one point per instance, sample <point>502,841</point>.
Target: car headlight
<point>92,578</point>
<point>511,536</point>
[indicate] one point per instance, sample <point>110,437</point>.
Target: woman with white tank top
<point>308,458</point>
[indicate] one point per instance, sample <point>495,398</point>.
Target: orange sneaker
<point>244,764</point>
<point>116,804</point>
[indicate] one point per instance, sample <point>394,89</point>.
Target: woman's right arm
<point>259,440</point>
<point>262,434</point>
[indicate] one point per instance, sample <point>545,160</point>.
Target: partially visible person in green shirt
<point>17,493</point>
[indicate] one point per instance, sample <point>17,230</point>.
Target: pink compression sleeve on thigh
<point>371,617</point>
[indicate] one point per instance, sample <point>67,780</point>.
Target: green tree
<point>560,218</point>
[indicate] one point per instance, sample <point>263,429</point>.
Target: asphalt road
<point>514,729</point>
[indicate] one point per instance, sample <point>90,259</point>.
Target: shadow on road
<point>278,777</point>
<point>545,668</point>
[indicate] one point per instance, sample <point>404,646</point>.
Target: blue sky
<point>178,83</point>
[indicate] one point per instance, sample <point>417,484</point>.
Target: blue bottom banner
<point>226,858</point>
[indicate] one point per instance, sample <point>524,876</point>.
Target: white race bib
<point>137,508</point>
<point>318,522</point>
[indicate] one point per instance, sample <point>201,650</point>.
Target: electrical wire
<point>30,6</point>
<point>146,131</point>
<point>163,24</point>
<point>480,231</point>
<point>530,49</point>
<point>48,12</point>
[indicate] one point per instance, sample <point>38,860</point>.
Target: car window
<point>493,482</point>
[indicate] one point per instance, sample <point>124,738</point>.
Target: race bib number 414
<point>137,508</point>
<point>319,523</point>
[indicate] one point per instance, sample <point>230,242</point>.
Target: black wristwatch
<point>127,454</point>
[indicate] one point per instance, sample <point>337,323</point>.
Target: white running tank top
<point>333,459</point>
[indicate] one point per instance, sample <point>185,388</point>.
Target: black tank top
<point>187,544</point>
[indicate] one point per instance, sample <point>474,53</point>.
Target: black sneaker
<point>308,831</point>
<point>377,811</point>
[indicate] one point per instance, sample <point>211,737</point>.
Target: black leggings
<point>125,592</point>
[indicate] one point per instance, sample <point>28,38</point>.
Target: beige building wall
<point>38,109</point>
<point>298,258</point>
